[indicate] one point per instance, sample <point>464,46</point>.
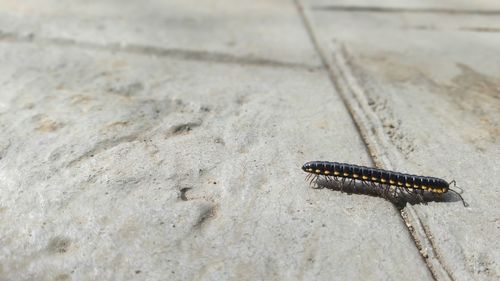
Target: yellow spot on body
<point>424,187</point>
<point>365,177</point>
<point>355,176</point>
<point>318,171</point>
<point>383,180</point>
<point>327,172</point>
<point>415,186</point>
<point>391,182</point>
<point>400,183</point>
<point>336,173</point>
<point>346,174</point>
<point>374,179</point>
<point>408,185</point>
<point>309,170</point>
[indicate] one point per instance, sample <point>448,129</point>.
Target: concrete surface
<point>424,87</point>
<point>162,140</point>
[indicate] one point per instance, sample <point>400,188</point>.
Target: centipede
<point>384,180</point>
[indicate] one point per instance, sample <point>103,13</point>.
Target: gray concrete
<point>163,140</point>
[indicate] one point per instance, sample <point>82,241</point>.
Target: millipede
<point>348,174</point>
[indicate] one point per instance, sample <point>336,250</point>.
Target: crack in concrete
<point>480,29</point>
<point>184,54</point>
<point>397,10</point>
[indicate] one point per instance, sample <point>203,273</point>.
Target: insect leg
<point>377,189</point>
<point>387,190</point>
<point>313,178</point>
<point>413,195</point>
<point>395,193</point>
<point>329,178</point>
<point>342,184</point>
<point>421,196</point>
<point>364,184</point>
<point>308,176</point>
<point>461,198</point>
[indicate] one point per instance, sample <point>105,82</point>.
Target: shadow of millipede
<point>399,198</point>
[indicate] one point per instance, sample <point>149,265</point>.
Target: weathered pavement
<point>163,141</point>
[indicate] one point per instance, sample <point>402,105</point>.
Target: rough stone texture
<point>488,7</point>
<point>118,164</point>
<point>426,87</point>
<point>137,143</point>
<point>250,32</point>
<point>153,140</point>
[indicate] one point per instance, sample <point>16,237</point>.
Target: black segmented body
<point>379,176</point>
